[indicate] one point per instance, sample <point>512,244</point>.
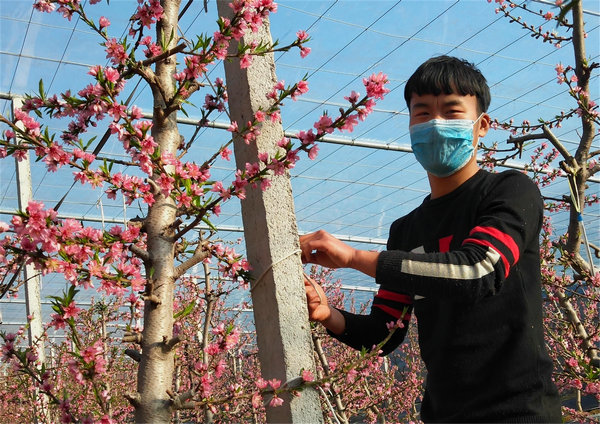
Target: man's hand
<point>323,249</point>
<point>318,309</point>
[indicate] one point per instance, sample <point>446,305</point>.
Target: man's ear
<point>484,125</point>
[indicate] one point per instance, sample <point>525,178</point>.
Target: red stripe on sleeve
<point>501,237</point>
<point>491,246</point>
<point>396,297</point>
<point>393,312</point>
<point>444,244</point>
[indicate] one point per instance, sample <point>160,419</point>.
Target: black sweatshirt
<point>469,265</point>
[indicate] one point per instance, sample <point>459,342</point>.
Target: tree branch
<point>172,342</point>
<point>199,255</point>
<point>211,300</point>
<point>556,142</point>
<point>152,298</point>
<point>150,61</point>
<point>573,318</point>
<point>150,77</point>
<point>155,187</point>
<point>176,105</point>
<point>583,72</point>
<point>181,401</point>
<point>526,137</point>
<point>134,354</point>
<point>133,337</point>
<point>327,371</point>
<point>134,399</point>
<point>595,248</point>
<point>140,253</point>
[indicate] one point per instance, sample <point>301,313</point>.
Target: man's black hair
<point>448,75</point>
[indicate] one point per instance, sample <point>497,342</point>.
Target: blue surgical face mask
<point>441,146</point>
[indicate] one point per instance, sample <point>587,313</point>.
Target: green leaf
<point>186,311</point>
<point>210,225</point>
<point>184,112</point>
<point>88,144</point>
<point>70,295</point>
<point>41,88</point>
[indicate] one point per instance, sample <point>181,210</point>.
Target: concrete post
<point>271,235</point>
<point>32,278</point>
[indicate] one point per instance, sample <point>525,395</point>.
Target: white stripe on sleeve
<point>452,271</point>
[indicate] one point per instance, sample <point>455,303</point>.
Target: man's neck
<point>442,186</point>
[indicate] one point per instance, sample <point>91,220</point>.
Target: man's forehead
<point>443,99</point>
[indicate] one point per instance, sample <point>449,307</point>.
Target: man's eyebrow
<point>454,102</point>
<point>420,104</point>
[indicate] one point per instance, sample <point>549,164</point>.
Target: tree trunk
<point>580,177</point>
<point>155,373</point>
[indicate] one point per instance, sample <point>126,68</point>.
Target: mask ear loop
<point>474,122</point>
<point>478,118</point>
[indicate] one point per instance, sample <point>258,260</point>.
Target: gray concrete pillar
<point>271,235</point>
<point>32,277</point>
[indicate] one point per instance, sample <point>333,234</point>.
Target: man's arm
<point>361,331</point>
<point>509,218</point>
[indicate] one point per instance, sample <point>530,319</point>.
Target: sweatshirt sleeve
<point>367,331</point>
<point>509,219</point>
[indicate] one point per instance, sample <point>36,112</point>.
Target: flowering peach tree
<point>185,349</point>
<point>570,271</point>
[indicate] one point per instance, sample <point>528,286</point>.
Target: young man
<point>466,261</point>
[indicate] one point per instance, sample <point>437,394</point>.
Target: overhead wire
<point>13,80</point>
<point>338,52</point>
<point>319,16</point>
<point>14,75</point>
<point>379,60</point>
<point>60,61</point>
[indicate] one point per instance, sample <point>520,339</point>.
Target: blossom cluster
<point>541,165</point>
<point>82,254</point>
<point>77,377</point>
<point>587,107</point>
